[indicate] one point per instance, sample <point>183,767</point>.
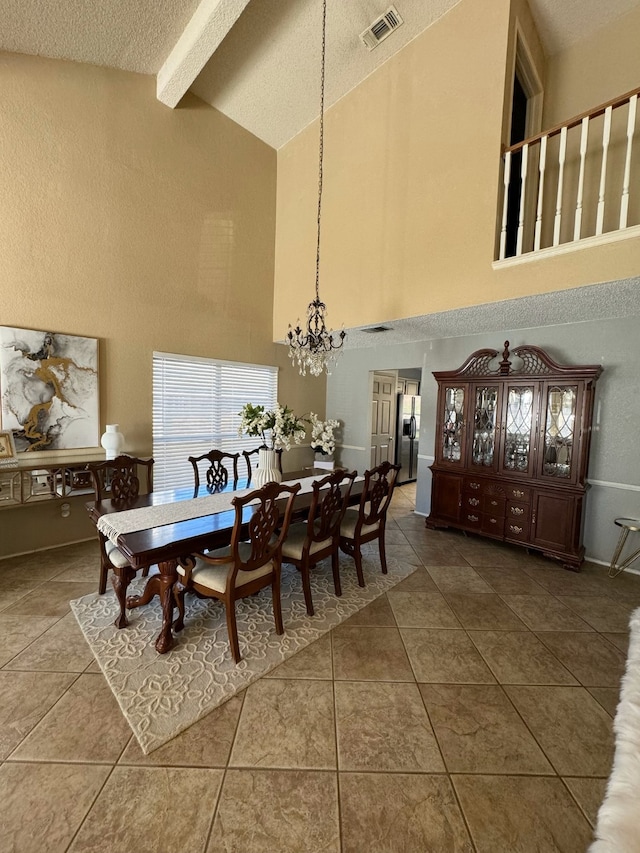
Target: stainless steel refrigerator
<point>407,437</point>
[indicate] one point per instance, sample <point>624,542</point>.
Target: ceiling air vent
<point>375,330</point>
<point>381,28</point>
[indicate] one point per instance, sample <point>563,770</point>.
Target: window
<point>195,408</point>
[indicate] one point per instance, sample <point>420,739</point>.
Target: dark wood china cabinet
<point>512,447</point>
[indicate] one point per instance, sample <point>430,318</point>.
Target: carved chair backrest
<point>219,465</point>
<point>328,505</point>
<point>379,484</point>
<point>118,479</point>
<point>267,526</point>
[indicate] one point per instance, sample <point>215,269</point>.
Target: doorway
<point>383,417</point>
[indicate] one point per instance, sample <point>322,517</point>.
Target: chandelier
<point>315,348</point>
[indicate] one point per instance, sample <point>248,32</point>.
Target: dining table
<point>165,543</point>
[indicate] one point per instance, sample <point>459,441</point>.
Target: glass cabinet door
<point>453,425</point>
<point>561,404</point>
<point>485,402</point>
<point>518,428</point>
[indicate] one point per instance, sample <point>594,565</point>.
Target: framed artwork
<point>49,389</point>
<point>7,448</point>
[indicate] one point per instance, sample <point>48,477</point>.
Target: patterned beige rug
<point>161,695</point>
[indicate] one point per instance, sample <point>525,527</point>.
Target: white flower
<point>322,440</point>
<point>282,424</point>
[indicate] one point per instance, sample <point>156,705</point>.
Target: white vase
<point>267,470</point>
<point>112,440</point>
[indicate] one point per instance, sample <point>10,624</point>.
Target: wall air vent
<point>375,330</point>
<point>381,28</point>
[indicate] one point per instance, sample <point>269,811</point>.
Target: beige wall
<point>412,171</point>
<point>148,228</point>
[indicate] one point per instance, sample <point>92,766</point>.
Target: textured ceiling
<point>581,304</point>
<point>265,73</point>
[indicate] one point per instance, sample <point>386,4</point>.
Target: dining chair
<point>318,537</point>
<point>218,465</point>
<point>118,480</point>
<point>366,522</point>
<point>252,561</point>
<point>247,458</point>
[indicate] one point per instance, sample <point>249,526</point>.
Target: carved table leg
<point>162,585</point>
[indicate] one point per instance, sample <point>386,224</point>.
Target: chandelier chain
<point>321,147</point>
<point>314,348</point>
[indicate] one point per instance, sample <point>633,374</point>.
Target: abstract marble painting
<point>49,388</point>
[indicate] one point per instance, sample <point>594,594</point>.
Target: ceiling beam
<point>210,23</point>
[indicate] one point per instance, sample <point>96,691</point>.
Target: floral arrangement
<point>322,440</point>
<point>281,425</point>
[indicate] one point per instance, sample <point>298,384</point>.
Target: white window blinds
<point>196,402</point>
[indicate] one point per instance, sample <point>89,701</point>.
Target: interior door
<point>383,418</point>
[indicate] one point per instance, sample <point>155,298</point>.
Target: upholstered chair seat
<point>215,577</point>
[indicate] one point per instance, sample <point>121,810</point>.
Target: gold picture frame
<point>7,448</point>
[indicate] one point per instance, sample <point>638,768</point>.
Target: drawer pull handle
<point>516,510</point>
<point>517,493</point>
<point>474,501</point>
<point>472,517</point>
<point>474,485</point>
<point>515,529</point>
<point>494,503</point>
<point>493,521</point>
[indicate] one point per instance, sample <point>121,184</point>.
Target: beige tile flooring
<point>468,709</point>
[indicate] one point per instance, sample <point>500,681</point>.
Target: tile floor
<point>468,709</point>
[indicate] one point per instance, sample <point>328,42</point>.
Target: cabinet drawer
<point>472,519</point>
<point>518,530</point>
<point>518,511</point>
<point>493,505</point>
<point>493,524</point>
<point>519,493</point>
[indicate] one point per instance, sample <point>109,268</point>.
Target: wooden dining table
<point>166,544</point>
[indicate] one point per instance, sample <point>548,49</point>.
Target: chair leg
<point>104,574</point>
<point>178,597</point>
<point>306,586</point>
<point>357,556</point>
<point>335,567</point>
<point>277,603</point>
<point>232,630</point>
<point>383,555</point>
<point>145,572</point>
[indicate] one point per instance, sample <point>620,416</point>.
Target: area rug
<point>161,695</point>
<point>618,825</point>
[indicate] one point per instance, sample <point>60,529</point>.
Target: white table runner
<point>113,524</point>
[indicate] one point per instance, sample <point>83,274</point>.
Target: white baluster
<point>505,205</point>
<point>606,135</point>
<point>523,190</point>
<point>562,153</point>
<point>584,138</point>
<point>541,168</point>
<point>631,124</point>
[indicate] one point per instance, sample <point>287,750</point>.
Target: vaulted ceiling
<point>257,61</point>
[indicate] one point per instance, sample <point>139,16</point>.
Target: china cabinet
<point>512,447</point>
